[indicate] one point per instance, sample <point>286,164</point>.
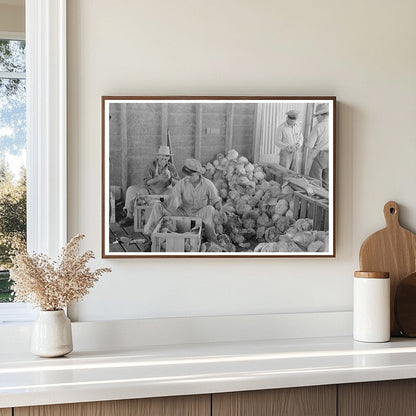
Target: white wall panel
<point>361,52</point>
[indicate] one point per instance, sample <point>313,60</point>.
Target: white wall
<point>12,18</point>
<point>363,52</point>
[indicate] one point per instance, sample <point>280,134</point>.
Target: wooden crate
<point>142,211</point>
<point>115,195</point>
<point>311,206</point>
<point>183,241</point>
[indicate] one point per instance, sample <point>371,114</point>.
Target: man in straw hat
<point>318,145</point>
<point>193,196</point>
<point>289,139</point>
<point>160,177</point>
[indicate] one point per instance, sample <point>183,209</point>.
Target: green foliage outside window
<point>12,146</point>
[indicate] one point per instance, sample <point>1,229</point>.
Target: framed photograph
<point>218,176</point>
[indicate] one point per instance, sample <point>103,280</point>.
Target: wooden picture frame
<point>270,161</point>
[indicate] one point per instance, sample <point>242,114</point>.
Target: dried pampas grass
<point>53,285</point>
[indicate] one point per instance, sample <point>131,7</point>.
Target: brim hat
<point>191,166</point>
<point>321,109</point>
<point>164,151</point>
<point>293,114</point>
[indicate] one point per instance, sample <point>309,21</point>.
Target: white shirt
<point>288,135</point>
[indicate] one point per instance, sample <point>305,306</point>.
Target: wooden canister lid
<point>372,275</point>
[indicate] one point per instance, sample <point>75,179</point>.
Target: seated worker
<point>161,176</point>
<point>192,196</point>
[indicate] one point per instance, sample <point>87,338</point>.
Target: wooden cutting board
<point>393,250</point>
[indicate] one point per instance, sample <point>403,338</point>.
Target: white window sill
<point>16,313</point>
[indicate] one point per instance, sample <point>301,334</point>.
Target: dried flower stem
<point>53,285</point>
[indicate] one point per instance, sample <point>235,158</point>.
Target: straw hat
<point>164,151</point>
<point>321,109</point>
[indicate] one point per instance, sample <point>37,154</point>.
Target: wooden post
<point>229,128</point>
<point>165,115</point>
<point>198,132</point>
<point>257,134</point>
<point>124,157</point>
<point>306,163</point>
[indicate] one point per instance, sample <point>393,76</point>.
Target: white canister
<point>371,322</point>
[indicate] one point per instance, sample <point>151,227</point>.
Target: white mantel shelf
<point>151,371</point>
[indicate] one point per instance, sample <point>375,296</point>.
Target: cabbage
<point>223,193</point>
<point>282,224</point>
<point>304,238</point>
<point>264,186</point>
<point>281,207</point>
<point>260,232</point>
<point>240,169</point>
<point>243,180</point>
<point>271,234</point>
<point>287,190</point>
<point>224,163</point>
<point>304,224</point>
<point>232,154</point>
<point>316,246</point>
<point>275,190</point>
<point>234,195</point>
<point>259,176</point>
<point>263,220</point>
<point>289,213</point>
<point>249,168</point>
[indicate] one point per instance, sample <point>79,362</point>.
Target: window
<point>12,155</point>
<point>12,166</point>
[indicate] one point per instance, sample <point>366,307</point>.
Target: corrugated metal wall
<point>272,115</point>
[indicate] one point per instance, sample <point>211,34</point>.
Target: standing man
<point>289,139</point>
<point>192,196</point>
<point>160,177</point>
<point>318,145</point>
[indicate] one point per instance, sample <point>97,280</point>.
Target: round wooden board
<point>405,306</point>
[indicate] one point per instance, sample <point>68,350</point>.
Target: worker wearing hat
<point>289,140</point>
<point>160,177</point>
<point>318,146</point>
<point>193,196</point>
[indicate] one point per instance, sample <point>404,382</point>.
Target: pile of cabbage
<point>257,211</point>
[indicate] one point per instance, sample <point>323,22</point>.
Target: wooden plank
<point>317,401</point>
<point>312,210</point>
<point>303,206</point>
<point>383,398</point>
<point>5,412</point>
<point>198,132</point>
<point>161,406</point>
<point>296,205</point>
<point>124,159</point>
<point>126,232</point>
<point>114,233</point>
<point>229,127</point>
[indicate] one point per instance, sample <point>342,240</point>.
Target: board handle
<point>391,214</point>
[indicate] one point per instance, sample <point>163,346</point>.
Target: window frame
<point>46,138</point>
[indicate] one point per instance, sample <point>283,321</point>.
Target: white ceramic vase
<point>52,334</point>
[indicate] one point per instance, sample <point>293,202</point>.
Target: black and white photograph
<point>218,176</point>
